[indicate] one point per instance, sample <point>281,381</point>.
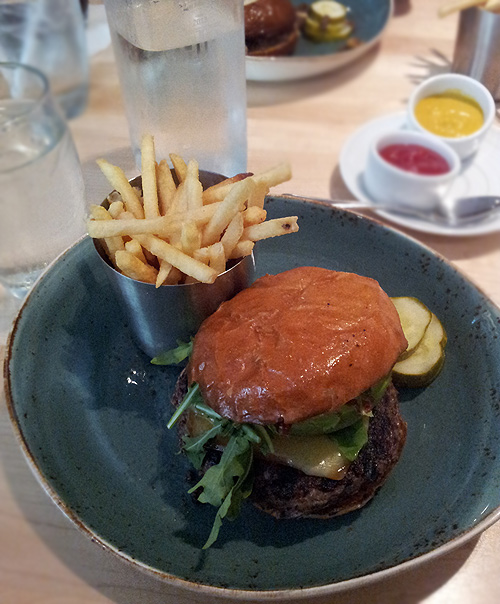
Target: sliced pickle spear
<point>426,361</point>
<point>415,318</point>
<point>334,11</point>
<point>318,32</point>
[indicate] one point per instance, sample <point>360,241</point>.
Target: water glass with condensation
<point>42,198</point>
<point>50,36</point>
<point>182,72</point>
<point>476,51</point>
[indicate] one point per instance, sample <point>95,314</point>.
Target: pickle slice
<point>415,318</point>
<point>424,364</point>
<point>329,9</point>
<point>319,32</point>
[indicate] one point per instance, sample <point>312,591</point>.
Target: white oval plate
<point>478,176</point>
<point>312,59</point>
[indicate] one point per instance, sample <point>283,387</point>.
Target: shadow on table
<point>423,67</point>
<point>121,583</point>
<point>260,94</point>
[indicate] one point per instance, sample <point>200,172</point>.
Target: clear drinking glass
<point>42,200</point>
<point>182,72</point>
<point>50,36</point>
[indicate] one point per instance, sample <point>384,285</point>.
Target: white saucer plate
<point>479,176</point>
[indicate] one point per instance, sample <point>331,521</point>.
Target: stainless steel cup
<point>477,45</point>
<point>160,317</point>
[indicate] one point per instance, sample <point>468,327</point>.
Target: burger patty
<point>285,492</point>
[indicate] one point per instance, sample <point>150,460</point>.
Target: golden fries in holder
<point>160,317</point>
<point>177,242</point>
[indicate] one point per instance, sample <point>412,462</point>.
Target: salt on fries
<point>170,233</point>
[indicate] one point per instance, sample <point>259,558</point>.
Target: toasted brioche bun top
<point>295,345</point>
<point>269,18</point>
<point>271,28</point>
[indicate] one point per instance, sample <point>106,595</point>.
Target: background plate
<point>90,412</point>
<point>370,18</point>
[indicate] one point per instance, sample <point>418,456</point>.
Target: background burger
<point>287,397</point>
<point>271,27</point>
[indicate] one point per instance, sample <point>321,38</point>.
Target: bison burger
<point>271,28</point>
<point>287,397</point>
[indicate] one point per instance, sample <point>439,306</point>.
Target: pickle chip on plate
<point>425,363</point>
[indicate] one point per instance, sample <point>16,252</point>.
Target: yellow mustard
<point>450,113</point>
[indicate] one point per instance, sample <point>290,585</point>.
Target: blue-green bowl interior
<point>369,18</point>
<point>91,411</point>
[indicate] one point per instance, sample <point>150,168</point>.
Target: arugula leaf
<point>377,391</point>
<point>352,439</point>
<point>194,446</point>
<point>266,442</point>
<point>218,480</point>
<point>241,490</point>
<point>201,406</point>
<point>321,424</point>
<point>175,355</point>
<point>347,415</point>
<point>225,485</point>
<point>193,396</point>
<point>232,502</point>
<point>327,422</point>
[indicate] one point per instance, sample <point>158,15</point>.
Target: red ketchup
<point>415,158</point>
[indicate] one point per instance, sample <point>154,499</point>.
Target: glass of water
<point>49,35</point>
<point>182,71</point>
<point>42,199</point>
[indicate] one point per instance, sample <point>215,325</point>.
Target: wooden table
<point>43,558</point>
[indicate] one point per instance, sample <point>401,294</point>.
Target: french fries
<point>118,181</point>
<point>111,244</point>
<point>166,186</point>
<point>171,231</point>
<point>134,268</point>
<point>458,5</point>
<point>271,228</point>
<point>149,186</point>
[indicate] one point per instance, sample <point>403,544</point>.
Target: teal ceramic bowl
<point>90,413</point>
<point>370,18</point>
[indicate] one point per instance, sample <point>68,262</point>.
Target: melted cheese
<point>313,455</point>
